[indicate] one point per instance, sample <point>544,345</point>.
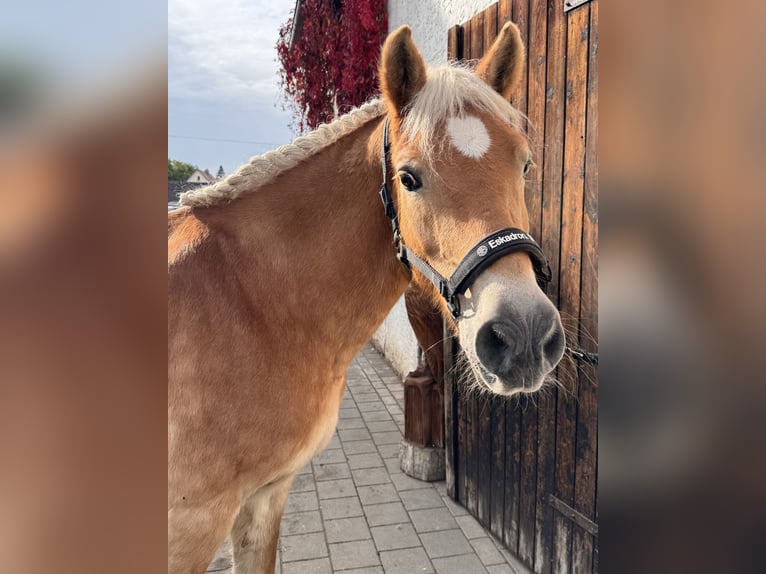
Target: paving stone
<point>501,569</point>
<point>349,413</point>
<point>394,437</point>
<point>305,470</point>
<point>470,526</point>
<point>318,566</point>
<point>466,564</point>
<point>389,450</point>
<point>336,488</point>
<point>403,482</point>
<point>341,508</point>
<point>353,434</point>
<point>376,416</point>
<point>377,493</point>
<point>331,471</point>
<point>329,457</point>
<point>395,536</point>
<point>455,508</point>
<point>301,502</point>
<point>369,397</point>
<point>301,523</point>
<point>369,407</point>
<point>445,543</point>
<point>359,447</point>
<point>334,443</point>
<point>421,498</point>
<point>368,476</point>
<point>440,486</point>
<point>302,547</point>
<point>344,424</point>
<point>303,483</point>
<point>346,529</point>
<point>382,426</point>
<point>408,561</point>
<point>366,460</point>
<point>357,554</point>
<point>386,513</point>
<point>486,551</point>
<point>368,570</point>
<point>393,464</point>
<point>432,519</point>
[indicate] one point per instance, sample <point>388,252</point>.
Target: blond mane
<point>448,91</point>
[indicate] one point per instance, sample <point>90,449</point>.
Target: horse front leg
<point>255,533</point>
<point>196,529</point>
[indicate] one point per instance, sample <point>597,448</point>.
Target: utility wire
<point>184,137</point>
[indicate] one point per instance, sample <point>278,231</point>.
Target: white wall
<point>430,21</point>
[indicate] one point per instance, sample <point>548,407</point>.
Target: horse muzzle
<point>519,349</point>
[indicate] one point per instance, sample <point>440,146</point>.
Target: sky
<point>224,102</point>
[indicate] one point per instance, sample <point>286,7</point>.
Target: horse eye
<point>527,167</point>
<point>409,181</point>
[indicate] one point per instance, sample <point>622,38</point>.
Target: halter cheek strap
<point>479,257</point>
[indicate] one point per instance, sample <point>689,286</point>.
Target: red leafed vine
<point>332,63</point>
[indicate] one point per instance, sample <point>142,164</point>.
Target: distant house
<point>200,176</point>
<point>175,188</point>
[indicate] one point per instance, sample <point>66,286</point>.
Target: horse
<point>280,273</point>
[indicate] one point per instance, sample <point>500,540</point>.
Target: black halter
<point>478,258</point>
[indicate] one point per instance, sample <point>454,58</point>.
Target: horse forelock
<point>449,92</point>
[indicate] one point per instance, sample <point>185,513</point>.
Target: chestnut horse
<point>280,273</point>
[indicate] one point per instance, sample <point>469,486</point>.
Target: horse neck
<point>314,248</point>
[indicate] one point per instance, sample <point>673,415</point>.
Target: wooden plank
<point>521,18</point>
<point>455,43</point>
<point>553,149</point>
<point>450,414</point>
<point>490,26</point>
<point>536,61</point>
<point>512,474</point>
<point>586,442</point>
<point>570,266</point>
<point>477,36</point>
<point>546,452</point>
<point>504,12</point>
<point>471,456</point>
<point>497,481</point>
<point>462,426</point>
<point>528,482</point>
<point>582,521</point>
<point>467,33</point>
<point>484,458</point>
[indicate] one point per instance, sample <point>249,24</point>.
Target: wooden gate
<point>526,468</point>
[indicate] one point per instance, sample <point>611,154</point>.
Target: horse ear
<point>503,65</point>
<point>402,69</point>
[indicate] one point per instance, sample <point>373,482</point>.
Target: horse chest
<point>316,427</point>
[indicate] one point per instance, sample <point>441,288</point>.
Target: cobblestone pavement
<point>353,511</point>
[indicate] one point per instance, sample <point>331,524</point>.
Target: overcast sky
<point>224,103</point>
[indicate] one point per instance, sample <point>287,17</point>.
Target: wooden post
<point>422,450</point>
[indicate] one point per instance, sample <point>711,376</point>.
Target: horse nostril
<point>553,346</point>
<point>497,343</point>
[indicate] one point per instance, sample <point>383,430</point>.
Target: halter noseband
<point>479,257</point>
